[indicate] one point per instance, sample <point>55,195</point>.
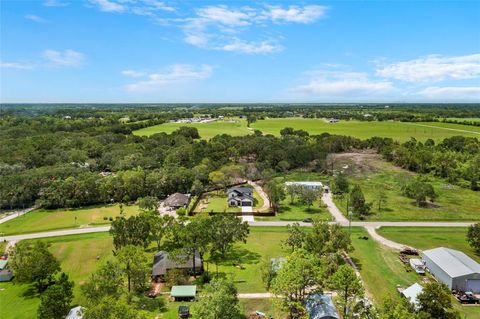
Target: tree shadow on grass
<point>240,256</point>
<point>30,293</point>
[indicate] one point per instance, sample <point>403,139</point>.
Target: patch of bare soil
<point>357,161</point>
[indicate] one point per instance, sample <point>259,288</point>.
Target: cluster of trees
<point>434,302</point>
<point>315,263</point>
<point>456,159</point>
<point>303,195</point>
<point>32,262</point>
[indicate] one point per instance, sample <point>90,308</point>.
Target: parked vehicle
<point>183,312</point>
<point>409,251</point>
<point>307,220</point>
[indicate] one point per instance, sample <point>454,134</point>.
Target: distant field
<point>470,119</point>
<point>206,130</point>
<point>401,131</point>
<point>44,220</point>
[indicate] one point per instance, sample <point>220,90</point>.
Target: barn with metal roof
<point>453,268</point>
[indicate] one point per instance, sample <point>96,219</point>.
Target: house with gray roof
<point>453,268</point>
<point>320,306</point>
<point>177,200</point>
<point>162,263</point>
<point>240,196</point>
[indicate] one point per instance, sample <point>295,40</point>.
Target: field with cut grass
<point>401,131</point>
<point>382,271</point>
<point>41,220</point>
<point>431,237</point>
<point>453,203</point>
<point>206,130</point>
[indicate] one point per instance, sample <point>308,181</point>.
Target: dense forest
<point>68,156</point>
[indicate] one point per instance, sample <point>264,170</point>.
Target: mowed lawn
<point>454,203</point>
<point>78,257</point>
<point>216,202</point>
<point>382,271</point>
<point>206,130</point>
<point>400,131</point>
<point>431,237</point>
<point>44,220</point>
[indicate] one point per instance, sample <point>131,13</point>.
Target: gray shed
<point>453,268</point>
<point>321,307</point>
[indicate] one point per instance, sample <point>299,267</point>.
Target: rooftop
<point>412,292</point>
<point>305,183</point>
<point>321,307</point>
<point>183,291</point>
<point>453,262</point>
<point>177,200</point>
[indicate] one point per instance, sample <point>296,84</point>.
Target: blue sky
<point>239,51</point>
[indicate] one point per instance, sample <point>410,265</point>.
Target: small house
<point>240,196</point>
<point>307,185</point>
<point>162,263</point>
<point>320,306</point>
<point>412,292</point>
<point>177,200</point>
<point>183,293</point>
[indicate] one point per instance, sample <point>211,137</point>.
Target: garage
<point>473,285</point>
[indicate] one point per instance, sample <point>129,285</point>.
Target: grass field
<point>430,237</point>
<point>382,271</point>
<point>372,174</point>
<point>206,130</point>
<point>397,130</point>
<point>44,220</point>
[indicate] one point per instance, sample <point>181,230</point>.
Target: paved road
<point>253,224</point>
<point>333,209</point>
<point>16,214</point>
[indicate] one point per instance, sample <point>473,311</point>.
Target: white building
<point>309,185</point>
<point>412,292</point>
<point>453,268</point>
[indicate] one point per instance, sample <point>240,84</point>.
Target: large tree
<point>108,280</point>
<point>357,201</point>
<point>348,286</point>
<point>133,263</point>
<point>159,229</point>
<point>33,262</point>
<point>473,236</point>
<point>435,302</point>
<point>296,279</point>
<point>134,230</point>
<point>55,301</point>
<point>276,193</point>
<point>226,230</point>
<point>112,308</point>
<point>218,300</point>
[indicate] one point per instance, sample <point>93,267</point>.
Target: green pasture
<point>430,237</point>
<point>41,220</point>
<point>206,130</point>
<point>454,203</point>
<point>401,131</point>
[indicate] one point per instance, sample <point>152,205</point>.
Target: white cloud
<point>222,14</point>
<point>452,93</point>
<point>16,65</point>
<point>238,45</point>
<point>108,6</point>
<point>54,3</point>
<point>35,18</point>
<point>335,83</point>
<point>68,58</point>
<point>138,7</point>
<point>306,14</point>
<point>173,74</point>
<point>133,73</point>
<point>433,68</point>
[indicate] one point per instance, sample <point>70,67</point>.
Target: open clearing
<point>372,174</point>
<point>430,237</point>
<point>44,220</point>
<point>401,131</point>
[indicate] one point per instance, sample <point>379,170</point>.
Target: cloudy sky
<point>239,51</point>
